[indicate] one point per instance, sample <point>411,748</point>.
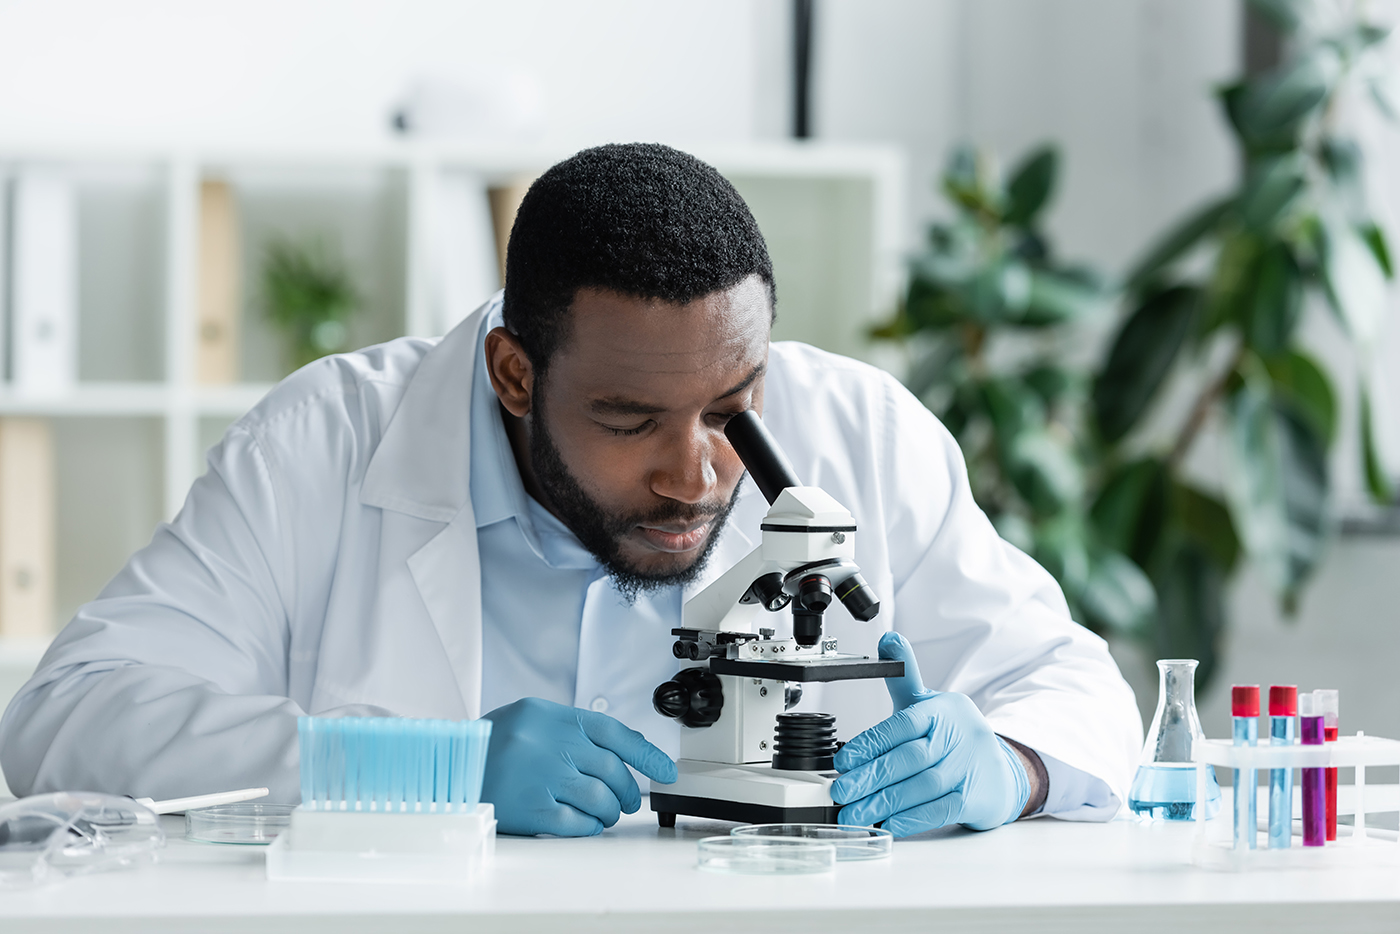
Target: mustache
<point>675,512</point>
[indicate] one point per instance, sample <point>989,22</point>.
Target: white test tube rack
<point>1214,845</point>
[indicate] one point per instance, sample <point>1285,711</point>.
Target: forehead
<point>621,345</point>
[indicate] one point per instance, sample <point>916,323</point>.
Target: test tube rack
<point>1214,845</point>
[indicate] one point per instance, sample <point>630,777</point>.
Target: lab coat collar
<point>422,464</point>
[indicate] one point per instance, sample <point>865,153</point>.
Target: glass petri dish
<point>248,824</point>
<point>765,856</point>
<point>852,843</point>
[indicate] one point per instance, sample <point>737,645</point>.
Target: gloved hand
<point>560,770</point>
<point>935,762</point>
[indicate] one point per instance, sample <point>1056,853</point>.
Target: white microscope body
<point>739,760</point>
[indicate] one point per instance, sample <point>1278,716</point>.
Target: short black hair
<point>641,219</point>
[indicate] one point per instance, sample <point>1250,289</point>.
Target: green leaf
<point>1301,382</point>
<point>1013,408</point>
<point>1377,483</point>
<point>1276,302</point>
<point>1131,511</point>
<point>1190,608</point>
<point>1375,239</point>
<point>1141,356</point>
<point>1354,279</point>
<point>1055,298</point>
<point>1118,596</point>
<point>1178,242</point>
<point>1276,486</point>
<point>1043,470</point>
<point>1206,521</point>
<point>1273,106</point>
<point>966,182</point>
<point>1342,159</point>
<point>1061,548</point>
<point>1273,187</point>
<point>1052,383</point>
<point>1030,187</point>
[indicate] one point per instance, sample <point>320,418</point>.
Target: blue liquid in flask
<point>1168,792</point>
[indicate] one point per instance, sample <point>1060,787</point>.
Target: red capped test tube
<point>1330,702</point>
<point>1314,795</point>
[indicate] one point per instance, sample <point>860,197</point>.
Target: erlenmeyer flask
<point>1165,785</point>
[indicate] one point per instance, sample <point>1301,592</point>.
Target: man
<point>508,520</point>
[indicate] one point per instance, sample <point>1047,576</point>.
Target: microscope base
<point>668,806</point>
<point>748,793</point>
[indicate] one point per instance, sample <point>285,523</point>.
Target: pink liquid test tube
<point>1330,706</point>
<point>1314,792</point>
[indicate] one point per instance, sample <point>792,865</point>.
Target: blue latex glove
<point>561,770</point>
<point>935,762</point>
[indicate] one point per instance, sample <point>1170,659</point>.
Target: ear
<point>512,376</point>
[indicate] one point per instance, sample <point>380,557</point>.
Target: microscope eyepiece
<point>766,462</point>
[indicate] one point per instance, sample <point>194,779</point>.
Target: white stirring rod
<point>202,801</point>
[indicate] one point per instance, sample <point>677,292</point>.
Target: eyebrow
<point>616,405</point>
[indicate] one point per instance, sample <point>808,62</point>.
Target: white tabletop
<point>1042,874</point>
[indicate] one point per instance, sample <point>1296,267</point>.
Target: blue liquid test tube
<point>1244,709</point>
<point>1283,707</point>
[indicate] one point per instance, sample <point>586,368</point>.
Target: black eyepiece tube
<point>766,462</point>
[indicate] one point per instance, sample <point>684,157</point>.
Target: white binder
<point>43,282</point>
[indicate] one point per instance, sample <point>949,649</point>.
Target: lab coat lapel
<point>422,467</point>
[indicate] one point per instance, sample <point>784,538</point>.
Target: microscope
<point>743,757</point>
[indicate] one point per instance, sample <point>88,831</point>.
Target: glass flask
<point>1165,785</point>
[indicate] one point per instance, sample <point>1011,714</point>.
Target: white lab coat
<point>327,563</point>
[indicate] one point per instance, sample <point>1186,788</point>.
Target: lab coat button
<point>599,704</point>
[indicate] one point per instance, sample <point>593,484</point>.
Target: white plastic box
<point>368,846</point>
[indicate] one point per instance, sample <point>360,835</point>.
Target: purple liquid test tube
<point>1314,791</point>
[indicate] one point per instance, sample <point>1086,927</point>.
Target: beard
<point>601,531</point>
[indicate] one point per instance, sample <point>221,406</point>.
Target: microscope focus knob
<point>694,697</point>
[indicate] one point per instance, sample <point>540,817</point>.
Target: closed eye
<point>626,431</point>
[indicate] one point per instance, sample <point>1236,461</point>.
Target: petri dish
<point>247,824</point>
<point>852,843</point>
<point>765,856</point>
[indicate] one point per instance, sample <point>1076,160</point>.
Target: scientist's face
<point>624,437</point>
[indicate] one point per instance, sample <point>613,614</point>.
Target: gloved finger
<point>946,810</point>
<point>588,795</point>
<point>929,785</point>
<point>629,745</point>
<point>564,820</point>
<point>604,765</point>
<point>900,763</point>
<point>902,727</point>
<point>908,689</point>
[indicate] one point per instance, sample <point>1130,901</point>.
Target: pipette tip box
<point>340,846</point>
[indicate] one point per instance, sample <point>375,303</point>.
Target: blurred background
<point>1136,253</point>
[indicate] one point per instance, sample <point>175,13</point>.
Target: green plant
<point>1066,464</point>
<point>309,295</point>
<point>1297,226</point>
<point>985,303</point>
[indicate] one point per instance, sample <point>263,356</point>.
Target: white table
<point>1040,875</point>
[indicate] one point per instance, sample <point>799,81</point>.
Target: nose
<point>687,471</point>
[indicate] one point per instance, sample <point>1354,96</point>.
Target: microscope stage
<point>845,668</point>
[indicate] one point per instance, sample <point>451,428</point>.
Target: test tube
<point>1314,795</point>
<point>1244,708</point>
<point>1330,703</point>
<point>1283,707</point>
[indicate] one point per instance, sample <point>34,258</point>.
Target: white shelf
<point>134,400</point>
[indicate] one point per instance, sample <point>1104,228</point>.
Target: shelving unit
<point>832,216</point>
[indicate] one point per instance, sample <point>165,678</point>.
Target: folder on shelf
<point>505,201</point>
<point>43,282</point>
<point>216,355</point>
<point>27,559</point>
<point>464,267</point>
